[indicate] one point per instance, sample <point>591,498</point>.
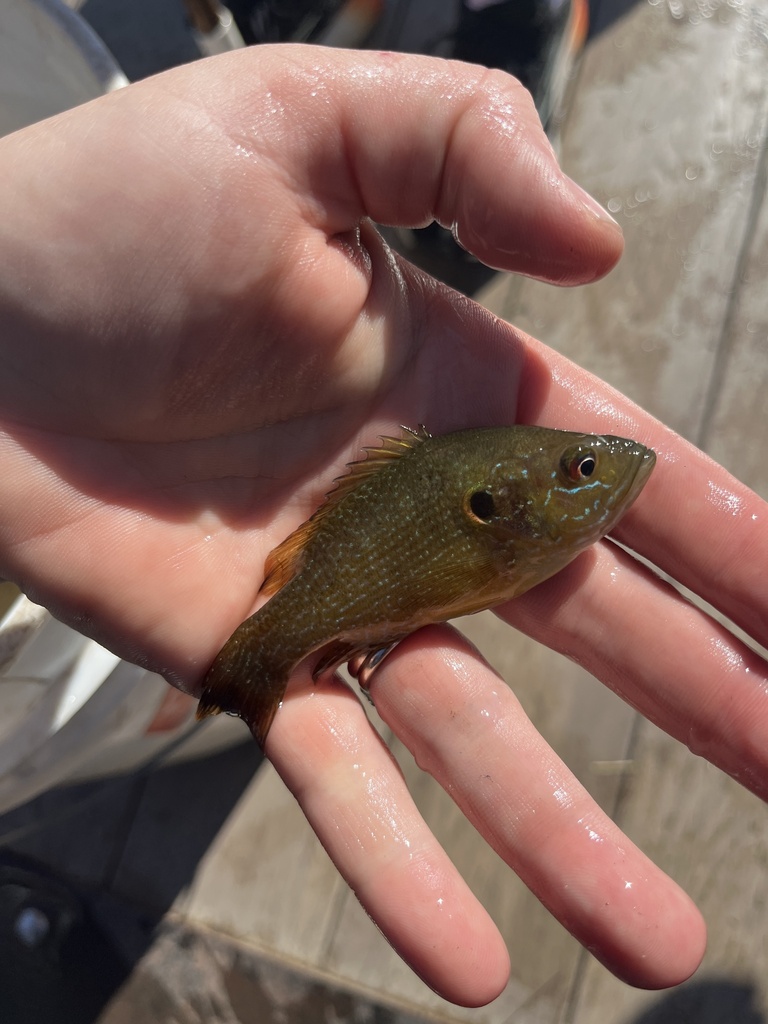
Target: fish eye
<point>481,505</point>
<point>579,465</point>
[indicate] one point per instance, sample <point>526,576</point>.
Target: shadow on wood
<point>87,872</point>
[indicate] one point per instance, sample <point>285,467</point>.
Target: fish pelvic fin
<point>243,682</point>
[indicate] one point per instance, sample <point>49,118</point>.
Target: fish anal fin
<point>336,653</point>
<point>340,652</point>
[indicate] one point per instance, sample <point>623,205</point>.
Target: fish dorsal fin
<point>285,561</point>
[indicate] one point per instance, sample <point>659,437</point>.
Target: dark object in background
<point>56,965</point>
<point>278,21</point>
<point>537,41</point>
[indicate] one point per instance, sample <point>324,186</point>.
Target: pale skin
<point>200,327</point>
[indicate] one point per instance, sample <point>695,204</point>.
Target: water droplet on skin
<point>593,836</point>
<point>563,797</point>
<point>730,657</point>
<point>724,500</point>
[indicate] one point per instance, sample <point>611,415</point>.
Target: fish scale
<point>421,530</point>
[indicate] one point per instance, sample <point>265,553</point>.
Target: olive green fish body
<point>424,529</point>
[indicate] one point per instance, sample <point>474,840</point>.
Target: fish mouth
<point>638,481</point>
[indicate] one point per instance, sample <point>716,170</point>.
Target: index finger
<point>452,141</point>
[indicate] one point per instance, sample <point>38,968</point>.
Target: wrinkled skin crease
<point>202,329</point>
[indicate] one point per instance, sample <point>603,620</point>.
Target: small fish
<point>421,530</point>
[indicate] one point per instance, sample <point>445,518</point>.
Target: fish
<point>422,529</point>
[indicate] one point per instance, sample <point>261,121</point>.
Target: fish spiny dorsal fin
<point>285,561</point>
<point>377,457</point>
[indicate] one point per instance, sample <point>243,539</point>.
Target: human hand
<point>200,328</point>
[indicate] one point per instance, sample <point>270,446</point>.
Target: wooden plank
<point>179,811</point>
<point>712,837</point>
<point>738,422</point>
<point>265,877</point>
<point>219,982</point>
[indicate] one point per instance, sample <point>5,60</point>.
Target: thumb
<point>406,139</point>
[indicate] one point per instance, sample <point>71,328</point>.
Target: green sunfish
<point>421,530</point>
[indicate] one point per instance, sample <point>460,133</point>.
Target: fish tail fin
<point>244,681</point>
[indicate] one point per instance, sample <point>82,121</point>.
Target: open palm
<point>200,326</point>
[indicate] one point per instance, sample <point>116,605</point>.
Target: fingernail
<point>591,204</point>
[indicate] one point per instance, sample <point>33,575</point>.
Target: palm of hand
<point>213,448</point>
